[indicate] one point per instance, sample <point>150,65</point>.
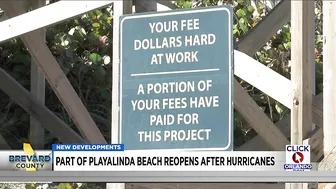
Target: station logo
<point>29,161</point>
<point>298,158</point>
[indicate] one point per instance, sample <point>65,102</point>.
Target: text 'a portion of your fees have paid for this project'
<point>176,80</point>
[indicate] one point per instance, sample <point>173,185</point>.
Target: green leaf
<point>319,67</point>
<point>236,32</point>
<point>98,12</point>
<point>63,39</point>
<point>78,185</point>
<point>30,186</point>
<point>287,36</point>
<point>92,15</point>
<point>280,108</point>
<point>187,4</point>
<point>241,21</point>
<point>250,9</point>
<point>271,53</point>
<point>241,13</point>
<point>96,25</point>
<point>81,31</point>
<point>95,58</point>
<point>288,44</point>
<point>259,97</point>
<point>100,72</point>
<point>58,37</point>
<point>242,25</point>
<point>241,2</point>
<point>64,186</point>
<point>72,31</point>
<point>65,43</point>
<point>109,19</point>
<point>93,38</point>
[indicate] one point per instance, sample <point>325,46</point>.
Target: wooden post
<point>117,12</point>
<point>329,78</point>
<point>126,6</point>
<point>37,88</point>
<point>302,49</point>
<point>145,6</point>
<point>329,82</point>
<point>119,8</point>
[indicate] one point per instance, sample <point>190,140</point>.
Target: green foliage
<point>82,46</point>
<point>65,186</point>
<point>79,185</point>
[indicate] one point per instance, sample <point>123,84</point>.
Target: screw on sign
<point>297,157</point>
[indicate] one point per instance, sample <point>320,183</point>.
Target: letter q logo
<point>297,157</point>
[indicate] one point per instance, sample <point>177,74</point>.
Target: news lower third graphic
<point>112,157</point>
<point>298,158</point>
<point>26,160</point>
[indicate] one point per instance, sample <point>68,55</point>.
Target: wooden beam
<point>255,39</point>
<point>255,73</point>
<point>327,186</point>
<point>62,87</point>
<point>35,108</point>
<point>21,6</point>
<point>329,162</point>
<point>316,145</point>
<point>58,80</point>
<point>315,141</point>
<point>203,186</point>
<point>37,88</point>
<point>258,119</point>
<point>13,27</point>
<point>260,34</point>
